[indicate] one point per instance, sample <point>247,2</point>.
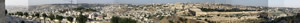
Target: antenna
<point>71,1</point>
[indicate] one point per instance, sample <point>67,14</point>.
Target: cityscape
<point>152,13</point>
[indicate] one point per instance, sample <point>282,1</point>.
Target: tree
<point>59,17</point>
<point>44,15</point>
<point>37,15</point>
<point>81,19</point>
<point>70,19</point>
<point>114,20</point>
<point>10,14</point>
<point>19,13</point>
<point>32,15</point>
<point>26,14</point>
<point>122,20</point>
<point>91,10</point>
<point>79,8</point>
<point>51,17</point>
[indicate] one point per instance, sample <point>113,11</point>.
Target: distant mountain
<point>12,8</point>
<point>53,7</point>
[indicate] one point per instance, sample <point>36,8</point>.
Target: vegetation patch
<point>122,20</point>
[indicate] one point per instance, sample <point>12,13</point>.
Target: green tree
<point>79,8</point>
<point>81,19</point>
<point>10,14</point>
<point>122,20</point>
<point>26,14</point>
<point>70,18</point>
<point>44,15</point>
<point>114,20</point>
<point>37,15</point>
<point>51,17</point>
<point>19,13</point>
<point>59,17</point>
<point>90,10</point>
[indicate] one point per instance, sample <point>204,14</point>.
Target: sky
<point>276,3</point>
<point>292,3</point>
<point>271,3</point>
<point>38,2</point>
<point>16,2</point>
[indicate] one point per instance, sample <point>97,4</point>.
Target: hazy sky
<point>276,3</point>
<point>16,2</point>
<point>271,3</point>
<point>292,3</point>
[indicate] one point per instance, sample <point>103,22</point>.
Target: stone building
<point>198,12</point>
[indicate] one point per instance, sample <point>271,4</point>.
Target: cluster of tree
<point>22,14</point>
<point>59,17</point>
<point>81,9</point>
<point>81,19</point>
<point>70,19</point>
<point>27,14</point>
<point>51,16</point>
<point>122,20</point>
<point>37,15</point>
<point>19,13</point>
<point>63,11</point>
